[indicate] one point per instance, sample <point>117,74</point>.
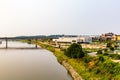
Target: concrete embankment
<point>73,73</point>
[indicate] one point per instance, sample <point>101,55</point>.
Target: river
<point>30,64</point>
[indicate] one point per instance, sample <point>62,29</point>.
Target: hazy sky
<point>36,17</point>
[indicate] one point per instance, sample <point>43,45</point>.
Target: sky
<point>50,17</point>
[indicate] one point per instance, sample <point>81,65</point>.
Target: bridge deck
<point>15,38</point>
<point>20,48</point>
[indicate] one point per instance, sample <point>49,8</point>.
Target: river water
<point>30,64</point>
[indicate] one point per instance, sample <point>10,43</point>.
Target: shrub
<point>109,45</point>
<point>75,51</point>
<point>117,69</point>
<point>114,56</point>
<point>101,58</point>
<point>112,48</point>
<point>108,67</point>
<point>87,59</point>
<point>106,53</point>
<point>99,52</point>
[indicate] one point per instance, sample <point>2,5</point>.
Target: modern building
<point>109,36</point>
<point>73,40</point>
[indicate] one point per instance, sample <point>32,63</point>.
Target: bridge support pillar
<point>36,43</point>
<point>6,43</point>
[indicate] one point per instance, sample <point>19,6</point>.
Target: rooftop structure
<point>109,36</point>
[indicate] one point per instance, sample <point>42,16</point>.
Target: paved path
<point>92,54</point>
<point>116,61</point>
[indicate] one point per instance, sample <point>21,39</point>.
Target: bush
<point>101,58</point>
<point>87,59</point>
<point>75,51</point>
<point>108,67</point>
<point>114,56</point>
<point>117,69</point>
<point>112,48</point>
<point>106,53</point>
<point>99,52</point>
<point>109,45</point>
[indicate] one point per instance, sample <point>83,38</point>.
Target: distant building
<point>95,38</point>
<point>118,37</point>
<point>109,36</point>
<point>73,40</point>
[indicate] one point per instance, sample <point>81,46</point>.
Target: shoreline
<point>63,61</point>
<point>72,72</point>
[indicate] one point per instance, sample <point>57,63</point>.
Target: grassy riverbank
<point>90,68</point>
<point>78,66</point>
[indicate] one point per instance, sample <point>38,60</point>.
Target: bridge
<point>19,38</point>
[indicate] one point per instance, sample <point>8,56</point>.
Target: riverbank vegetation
<point>110,51</point>
<point>90,68</point>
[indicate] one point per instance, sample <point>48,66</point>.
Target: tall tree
<point>75,51</point>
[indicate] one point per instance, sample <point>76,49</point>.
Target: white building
<point>73,40</point>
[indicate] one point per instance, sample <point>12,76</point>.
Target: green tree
<point>75,51</point>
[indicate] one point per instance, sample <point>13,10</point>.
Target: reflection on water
<point>31,64</point>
